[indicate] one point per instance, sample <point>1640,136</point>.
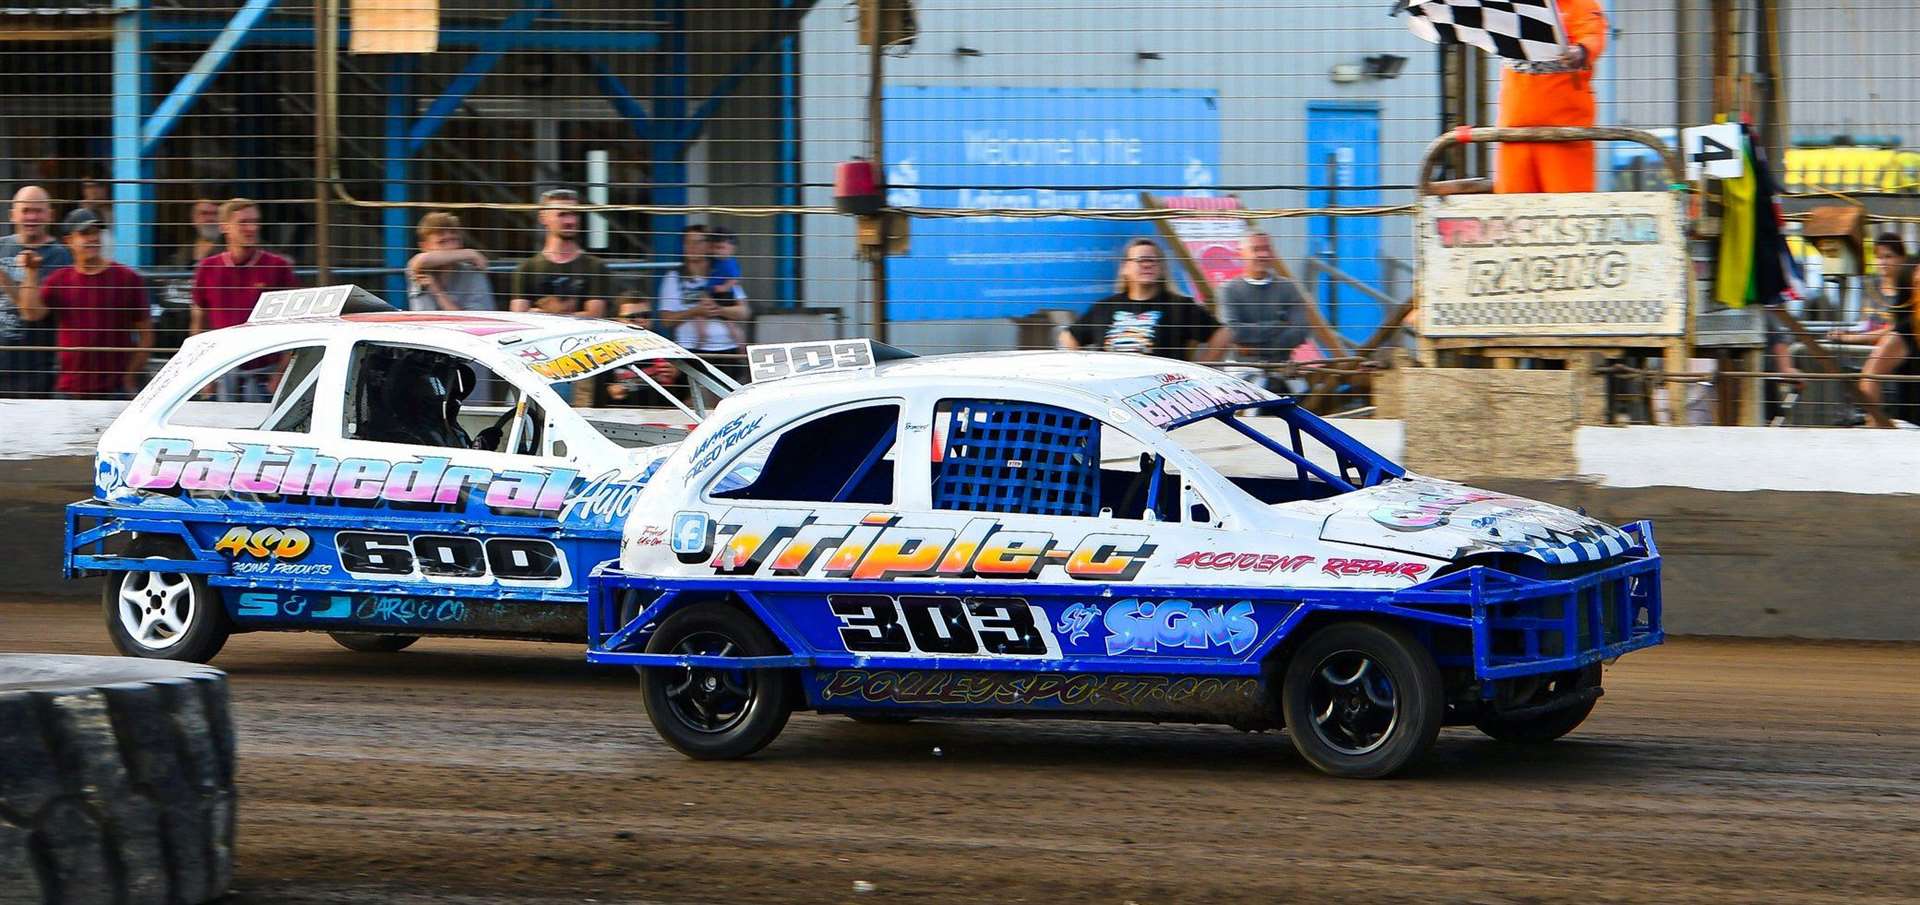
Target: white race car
<point>400,474</point>
<point>1092,534</point>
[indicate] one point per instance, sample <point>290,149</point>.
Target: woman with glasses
<point>1145,315</point>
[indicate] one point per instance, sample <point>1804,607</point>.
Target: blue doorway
<point>1343,162</point>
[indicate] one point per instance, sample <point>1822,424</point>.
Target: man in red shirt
<point>97,306</point>
<point>226,286</point>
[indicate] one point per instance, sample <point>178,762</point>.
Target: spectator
<point>636,309</point>
<point>447,275</point>
<point>1891,265</point>
<point>725,275</point>
<point>706,320</point>
<point>1262,308</point>
<point>25,373</point>
<point>206,235</point>
<point>96,195</point>
<point>1555,93</point>
<point>226,286</point>
<point>1891,332</point>
<point>561,278</point>
<point>1145,315</point>
<point>98,306</point>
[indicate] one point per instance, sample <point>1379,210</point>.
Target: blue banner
<point>1034,149</point>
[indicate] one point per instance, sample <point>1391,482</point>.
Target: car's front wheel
<point>1362,700</point>
<point>164,616</point>
<point>1581,685</point>
<point>711,713</point>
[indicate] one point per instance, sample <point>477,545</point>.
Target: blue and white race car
<point>1072,534</point>
<point>401,474</point>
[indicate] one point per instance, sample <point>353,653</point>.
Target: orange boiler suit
<point>1530,96</point>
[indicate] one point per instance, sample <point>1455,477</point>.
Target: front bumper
<point>1524,626</point>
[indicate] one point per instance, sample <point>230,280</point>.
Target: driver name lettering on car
<point>173,464</point>
<point>1184,399</point>
<point>589,358</point>
<point>877,546</point>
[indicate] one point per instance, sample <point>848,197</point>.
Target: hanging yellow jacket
<point>1733,279</point>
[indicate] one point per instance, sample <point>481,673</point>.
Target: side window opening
<point>1022,458</point>
<point>400,394</point>
<point>271,393</point>
<point>842,457</point>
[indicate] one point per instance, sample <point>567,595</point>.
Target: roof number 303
<point>775,362</point>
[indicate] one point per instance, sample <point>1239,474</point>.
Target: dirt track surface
<point>1730,771</point>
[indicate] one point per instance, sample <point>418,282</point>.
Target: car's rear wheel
<point>369,643</point>
<point>1362,700</point>
<point>1547,727</point>
<point>710,713</point>
<point>163,615</point>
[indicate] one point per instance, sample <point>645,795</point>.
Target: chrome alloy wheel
<point>157,608</point>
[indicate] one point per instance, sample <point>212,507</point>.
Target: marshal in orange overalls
<point>1552,99</point>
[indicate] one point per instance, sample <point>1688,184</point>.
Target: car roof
<point>463,328</point>
<point>1142,383</point>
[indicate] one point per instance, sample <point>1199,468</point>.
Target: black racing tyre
<point>370,643</point>
<point>715,714</point>
<point>116,781</point>
<point>1548,726</point>
<point>1362,700</point>
<point>163,615</point>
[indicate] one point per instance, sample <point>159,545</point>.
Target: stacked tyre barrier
<point>116,781</point>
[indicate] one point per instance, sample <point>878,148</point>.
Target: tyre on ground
<point>1362,699</point>
<point>371,643</point>
<point>710,713</point>
<point>116,781</point>
<point>1549,726</point>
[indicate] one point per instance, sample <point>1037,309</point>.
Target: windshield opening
<point>646,402</point>
<point>1281,453</point>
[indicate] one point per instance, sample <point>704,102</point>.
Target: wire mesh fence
<point>679,164</point>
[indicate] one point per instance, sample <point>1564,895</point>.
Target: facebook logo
<point>690,532</point>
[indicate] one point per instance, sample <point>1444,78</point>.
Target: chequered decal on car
<point>1606,546</point>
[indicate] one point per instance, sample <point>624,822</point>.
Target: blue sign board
<point>1033,149</point>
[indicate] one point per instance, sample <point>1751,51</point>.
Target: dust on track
<point>465,771</point>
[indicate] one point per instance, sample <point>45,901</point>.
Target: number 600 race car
<point>378,475</point>
<point>1095,535</point>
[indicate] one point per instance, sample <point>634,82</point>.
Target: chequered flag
<point>1520,31</point>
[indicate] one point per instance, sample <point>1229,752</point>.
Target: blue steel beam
<point>786,240</point>
<point>622,100</point>
<point>470,77</point>
<point>667,164</point>
<point>187,90</point>
<point>132,192</point>
<point>723,91</point>
<point>395,187</point>
<point>283,32</point>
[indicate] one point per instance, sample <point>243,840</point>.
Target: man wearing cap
<point>26,374</point>
<point>561,278</point>
<point>99,313</point>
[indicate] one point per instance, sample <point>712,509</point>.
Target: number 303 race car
<point>1096,535</point>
